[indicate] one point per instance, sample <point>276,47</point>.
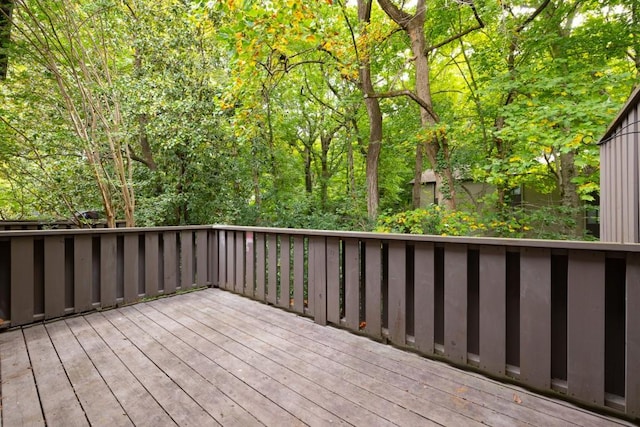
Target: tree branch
<point>407,93</point>
<point>479,25</point>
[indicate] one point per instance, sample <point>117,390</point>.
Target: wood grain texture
<point>82,273</point>
<point>151,264</point>
<point>373,286</point>
<point>424,294</point>
<point>493,273</point>
<point>397,292</point>
<point>455,303</point>
<point>272,268</point>
<point>632,393</point>
<point>585,326</point>
<point>333,280</point>
<point>298,274</point>
<point>22,281</point>
<point>535,317</point>
<point>213,357</point>
<point>284,299</point>
<point>352,284</point>
<point>131,268</point>
<point>54,277</point>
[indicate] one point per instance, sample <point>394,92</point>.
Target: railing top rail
<point>476,241</point>
<point>489,241</point>
<point>77,231</point>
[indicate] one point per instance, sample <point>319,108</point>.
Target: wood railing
<point>552,315</point>
<point>48,274</point>
<point>555,316</point>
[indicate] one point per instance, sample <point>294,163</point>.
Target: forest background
<point>311,114</point>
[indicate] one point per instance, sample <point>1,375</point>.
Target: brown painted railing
<point>48,274</point>
<point>554,316</point>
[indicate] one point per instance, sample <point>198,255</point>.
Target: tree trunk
<point>6,8</point>
<point>325,142</point>
<point>435,146</point>
<point>375,120</point>
<point>308,182</point>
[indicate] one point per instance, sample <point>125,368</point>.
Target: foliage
<point>547,222</point>
<point>255,113</point>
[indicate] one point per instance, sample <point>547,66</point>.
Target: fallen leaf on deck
<point>363,325</point>
<point>517,399</point>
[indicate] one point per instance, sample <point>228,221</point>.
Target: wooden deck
<point>214,358</point>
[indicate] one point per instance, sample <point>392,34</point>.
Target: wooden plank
<point>54,277</point>
<point>82,272</point>
<point>333,280</point>
<point>201,394</point>
<point>22,281</point>
<point>175,401</point>
<point>222,259</point>
<point>285,271</point>
<point>535,317</point>
<point>392,403</point>
<point>585,326</point>
<point>159,327</point>
<point>131,267</point>
<point>151,264</point>
<point>424,294</point>
<point>108,269</point>
<point>230,258</point>
<point>98,403</point>
<point>19,393</point>
<point>493,313</point>
<point>352,284</point>
<point>186,260</point>
<point>298,274</point>
<point>212,271</point>
<point>297,396</point>
<point>397,292</point>
<point>201,258</point>
<point>475,396</point>
<point>393,387</point>
<point>455,303</point>
<point>260,267</point>
<point>308,381</point>
<point>250,260</point>
<point>239,256</point>
<point>272,268</point>
<point>373,285</point>
<point>139,404</point>
<point>170,262</point>
<point>57,398</point>
<point>317,286</point>
<point>632,381</point>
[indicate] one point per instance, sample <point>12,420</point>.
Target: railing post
<point>272,266</point>
<point>333,280</point>
<point>455,303</point>
<point>108,269</point>
<point>54,269</point>
<point>585,326</point>
<point>397,292</point>
<point>632,380</point>
<point>535,317</point>
<point>317,288</point>
<point>493,314</point>
<point>151,264</point>
<point>22,281</point>
<point>373,286</point>
<point>82,272</point>
<point>202,261</point>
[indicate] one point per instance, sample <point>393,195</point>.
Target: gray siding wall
<point>619,181</point>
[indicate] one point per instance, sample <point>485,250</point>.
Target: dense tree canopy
<point>309,114</point>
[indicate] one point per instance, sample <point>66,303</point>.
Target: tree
<point>75,44</point>
<point>435,143</point>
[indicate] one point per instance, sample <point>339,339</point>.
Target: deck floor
<point>214,358</point>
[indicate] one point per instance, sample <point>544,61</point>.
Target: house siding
<point>619,186</point>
